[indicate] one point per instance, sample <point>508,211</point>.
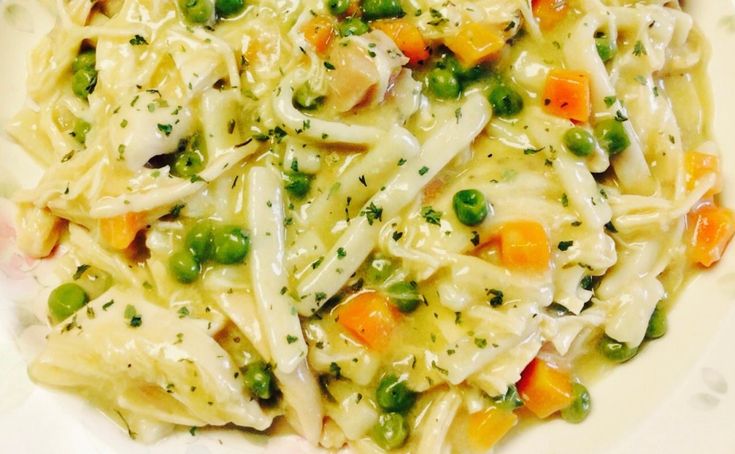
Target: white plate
<point>676,396</point>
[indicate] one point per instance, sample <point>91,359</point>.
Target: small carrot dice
<point>544,388</point>
<point>475,43</point>
<point>567,94</point>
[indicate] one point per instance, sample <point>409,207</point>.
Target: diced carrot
<point>475,43</point>
<point>370,318</point>
<point>318,31</point>
<point>697,165</point>
<point>487,427</point>
<point>119,231</point>
<point>524,245</point>
<point>567,94</point>
<point>549,12</point>
<point>406,36</point>
<point>544,388</point>
<point>710,228</point>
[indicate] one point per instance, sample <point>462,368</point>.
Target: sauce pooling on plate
<point>397,225</point>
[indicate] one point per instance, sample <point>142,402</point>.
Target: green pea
<point>506,102</point>
<point>65,300</point>
<point>86,59</point>
<point>81,128</point>
<point>580,407</point>
<point>579,141</point>
<point>259,380</point>
<point>306,98</point>
<point>510,400</point>
<point>231,245</point>
<point>391,431</point>
<point>353,26</point>
<point>94,281</point>
<point>196,11</point>
<point>443,83</point>
<point>379,9</point>
<point>394,395</point>
<point>184,266</point>
<point>470,206</point>
<point>657,324</point>
<point>379,269</point>
<point>228,8</point>
<point>192,159</point>
<point>617,352</point>
<point>612,136</point>
<point>606,48</point>
<point>461,72</point>
<point>338,7</point>
<point>297,184</point>
<point>199,241</point>
<point>404,295</point>
<point>83,82</point>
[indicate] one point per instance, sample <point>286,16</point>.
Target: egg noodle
<point>390,222</point>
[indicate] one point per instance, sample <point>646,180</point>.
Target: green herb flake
<point>565,245</point>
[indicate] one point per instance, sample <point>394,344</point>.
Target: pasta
<point>389,223</point>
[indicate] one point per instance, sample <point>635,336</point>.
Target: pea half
<point>379,269</point>
<point>394,395</point>
<point>579,141</point>
<point>506,102</point>
<point>612,136</point>
<point>353,26</point>
<point>196,11</point>
<point>443,83</point>
<point>81,128</point>
<point>380,9</point>
<point>606,48</point>
<point>228,8</point>
<point>83,82</point>
<point>184,266</point>
<point>87,59</point>
<point>580,407</point>
<point>231,245</point>
<point>657,324</point>
<point>259,380</point>
<point>470,206</point>
<point>65,300</point>
<point>404,295</point>
<point>615,351</point>
<point>391,431</point>
<point>306,98</point>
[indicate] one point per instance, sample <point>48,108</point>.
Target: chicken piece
<point>365,68</point>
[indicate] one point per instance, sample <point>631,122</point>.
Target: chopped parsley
<point>80,271</point>
<point>431,216</point>
<point>132,315</point>
<point>165,128</point>
<point>497,297</point>
<point>565,245</point>
<point>372,213</point>
<point>138,40</point>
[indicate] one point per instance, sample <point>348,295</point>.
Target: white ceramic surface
<point>678,396</point>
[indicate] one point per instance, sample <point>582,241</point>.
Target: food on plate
<point>398,225</point>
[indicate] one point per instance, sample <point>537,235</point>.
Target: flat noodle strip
<point>269,279</point>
